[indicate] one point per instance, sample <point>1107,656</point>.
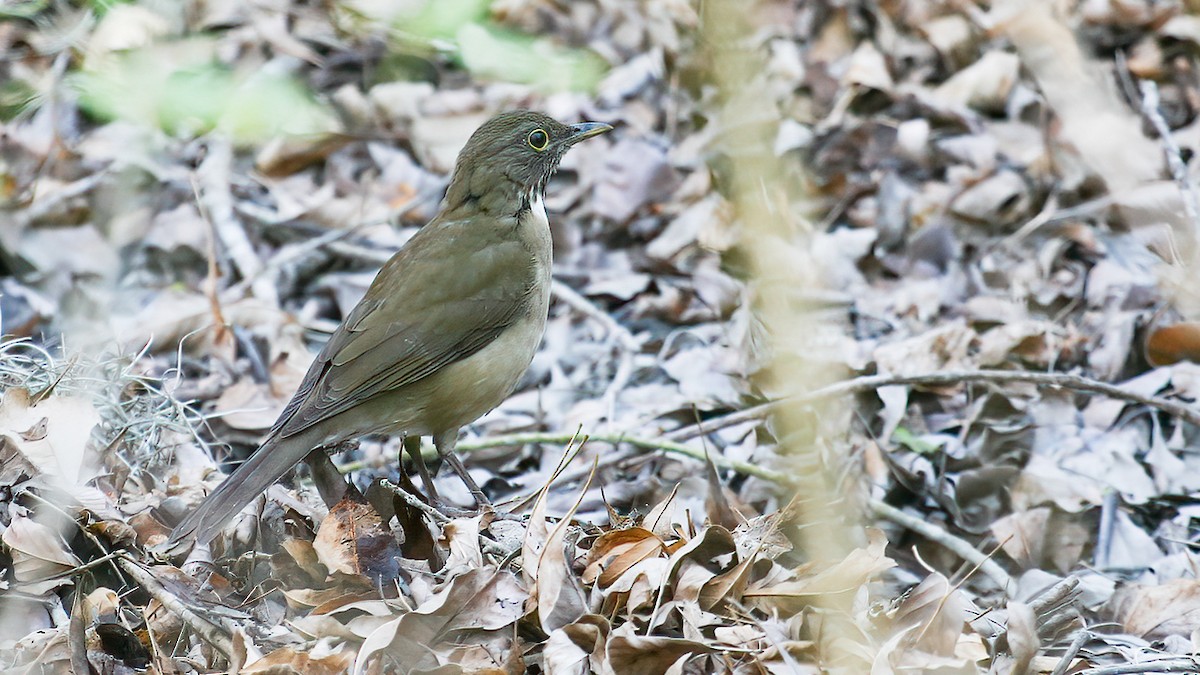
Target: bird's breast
<point>466,389</point>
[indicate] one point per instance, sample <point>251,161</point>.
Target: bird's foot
<point>481,500</point>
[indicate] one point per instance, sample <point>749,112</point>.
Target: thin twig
<point>1068,656</point>
<point>640,442</point>
<point>42,207</point>
<point>670,442</point>
<point>573,299</point>
<point>415,502</point>
<point>627,344</point>
<point>1055,596</point>
<point>213,195</point>
<point>751,414</point>
<point>1179,172</point>
<point>955,545</point>
<point>216,635</point>
<point>1176,665</point>
<point>859,385</point>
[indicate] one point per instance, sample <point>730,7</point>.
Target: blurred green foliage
<point>464,31</point>
<point>913,442</point>
<point>495,53</point>
<point>15,97</point>
<point>153,77</point>
<point>185,93</point>
<point>22,9</point>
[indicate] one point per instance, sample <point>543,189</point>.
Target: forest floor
<point>871,347</point>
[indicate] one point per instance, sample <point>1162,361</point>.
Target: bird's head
<point>507,161</point>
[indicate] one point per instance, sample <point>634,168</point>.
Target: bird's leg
<point>412,445</point>
<point>445,446</point>
<point>331,484</point>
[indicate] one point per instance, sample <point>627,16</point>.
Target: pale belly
<point>461,392</point>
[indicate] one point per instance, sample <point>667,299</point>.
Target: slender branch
<point>1179,172</point>
<point>579,303</point>
<point>733,419</point>
<point>955,545</point>
<point>859,385</point>
<point>645,443</point>
<point>214,634</point>
<point>415,502</point>
<point>1068,657</point>
<point>1051,600</point>
<point>216,200</point>
<point>46,204</point>
<point>1179,665</point>
<point>670,442</point>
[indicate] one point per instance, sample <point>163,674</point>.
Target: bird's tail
<point>255,475</point>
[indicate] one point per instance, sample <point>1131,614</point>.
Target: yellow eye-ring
<point>539,139</point>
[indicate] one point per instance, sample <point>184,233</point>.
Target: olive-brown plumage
<point>445,330</point>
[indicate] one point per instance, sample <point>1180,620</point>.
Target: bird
<point>446,329</point>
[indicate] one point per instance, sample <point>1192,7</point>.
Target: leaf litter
<point>986,186</point>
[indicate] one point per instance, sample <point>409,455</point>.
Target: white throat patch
<point>537,211</point>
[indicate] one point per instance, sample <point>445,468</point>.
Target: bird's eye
<point>538,139</point>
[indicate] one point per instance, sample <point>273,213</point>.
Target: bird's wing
<point>421,313</point>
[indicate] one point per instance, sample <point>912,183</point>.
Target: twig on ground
<point>751,414</point>
<point>1179,171</point>
<point>354,251</point>
<point>671,442</point>
<point>1055,608</point>
<point>288,254</point>
<point>216,635</point>
<point>1050,601</point>
<point>859,385</point>
<point>1068,656</point>
<point>627,344</point>
<point>297,252</point>
<point>579,303</point>
<point>955,545</point>
<point>216,201</point>
<point>415,502</point>
<point>1177,665</point>
<point>645,443</point>
<point>44,206</point>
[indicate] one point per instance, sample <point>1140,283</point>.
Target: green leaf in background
<point>101,7</point>
<point>442,19</point>
<point>178,88</point>
<point>22,9</point>
<point>15,97</point>
<point>464,30</point>
<point>911,441</point>
<point>501,54</point>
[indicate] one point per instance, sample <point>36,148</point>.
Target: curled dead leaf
<point>1167,345</point>
<point>614,552</point>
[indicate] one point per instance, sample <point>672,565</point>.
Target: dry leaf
<point>352,539</point>
<point>484,599</point>
<point>1155,612</point>
<point>615,551</point>
<point>844,576</point>
<point>52,434</point>
<point>40,558</point>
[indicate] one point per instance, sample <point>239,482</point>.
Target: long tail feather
<point>263,468</point>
